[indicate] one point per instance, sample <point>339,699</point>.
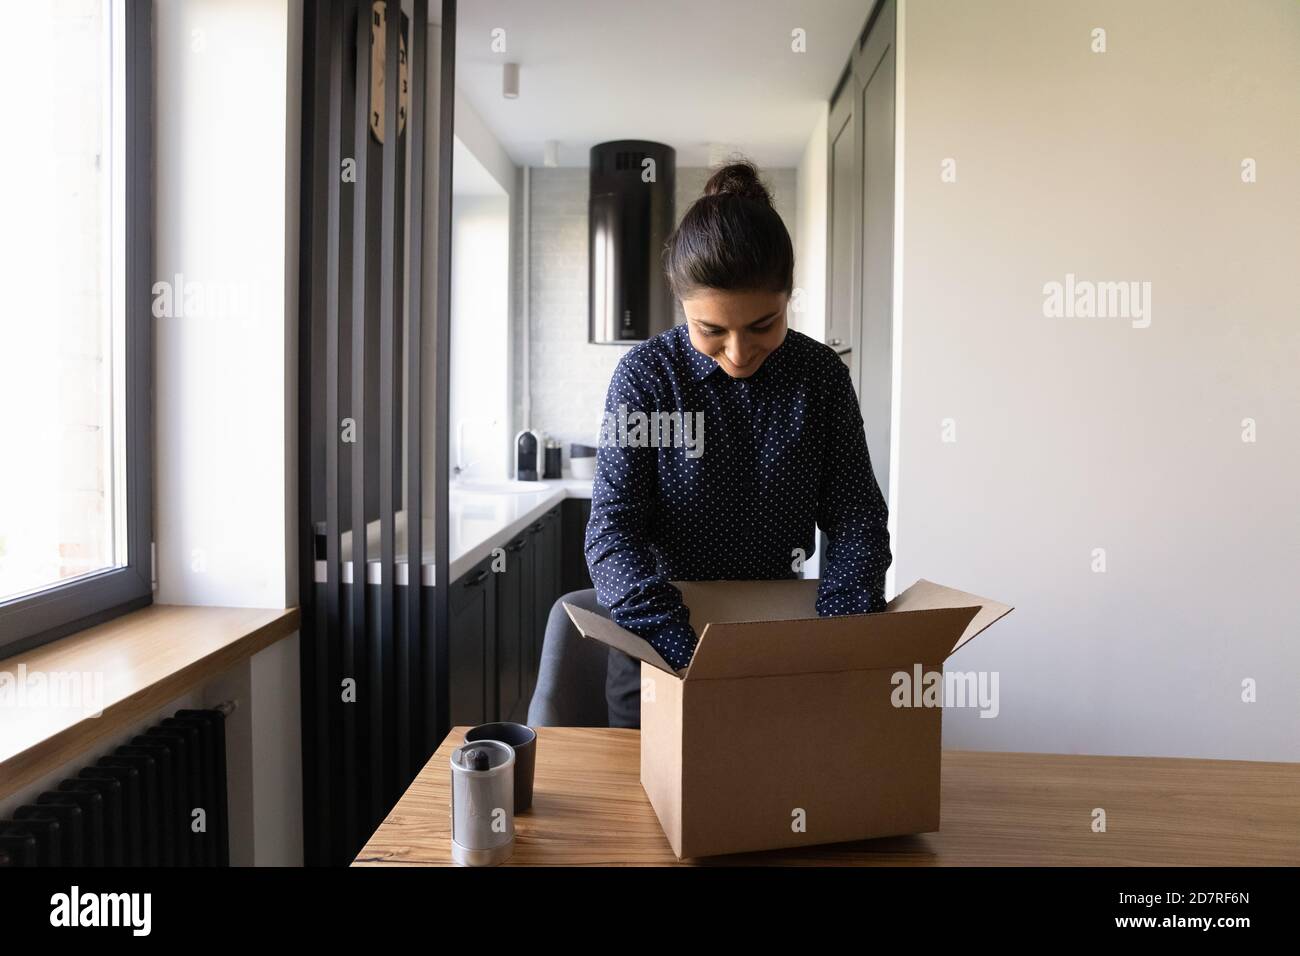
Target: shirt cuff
<point>674,642</point>
<point>852,599</point>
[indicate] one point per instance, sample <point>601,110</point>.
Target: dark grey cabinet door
<point>527,618</point>
<point>553,569</point>
<point>511,627</point>
<point>554,543</point>
<point>473,624</point>
<point>574,515</point>
<point>536,627</point>
<point>544,536</point>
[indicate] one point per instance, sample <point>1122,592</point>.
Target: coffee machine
<point>528,454</point>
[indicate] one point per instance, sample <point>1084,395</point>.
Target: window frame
<point>33,619</point>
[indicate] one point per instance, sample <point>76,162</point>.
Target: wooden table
<point>998,809</point>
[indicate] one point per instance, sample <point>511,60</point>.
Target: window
<point>75,334</point>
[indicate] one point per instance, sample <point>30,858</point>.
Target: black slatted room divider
<point>374,649</point>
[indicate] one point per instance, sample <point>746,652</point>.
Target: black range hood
<point>629,220</point>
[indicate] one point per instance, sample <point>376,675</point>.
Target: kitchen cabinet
<point>574,515</point>
<point>514,619</point>
<point>527,620</point>
<point>547,559</point>
<point>498,622</point>
<point>473,624</point>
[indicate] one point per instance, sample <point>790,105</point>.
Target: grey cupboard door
<point>511,627</point>
<point>873,67</point>
<point>842,214</point>
<point>526,568</point>
<point>549,566</point>
<point>574,515</point>
<point>472,614</point>
<point>540,606</point>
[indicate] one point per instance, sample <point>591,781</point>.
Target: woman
<point>782,441</point>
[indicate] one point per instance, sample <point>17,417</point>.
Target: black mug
<point>524,741</point>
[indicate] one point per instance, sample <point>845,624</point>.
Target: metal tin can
<point>482,803</point>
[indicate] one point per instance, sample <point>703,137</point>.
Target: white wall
<point>1075,434</point>
<point>227,129</point>
<point>485,207</point>
<point>480,287</point>
<point>479,140</point>
<point>224,408</point>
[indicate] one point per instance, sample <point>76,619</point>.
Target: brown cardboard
<point>782,732</point>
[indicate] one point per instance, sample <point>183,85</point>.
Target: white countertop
<point>480,520</point>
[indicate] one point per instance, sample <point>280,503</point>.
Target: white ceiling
<point>683,72</point>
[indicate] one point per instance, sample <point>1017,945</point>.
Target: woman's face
<point>738,330</point>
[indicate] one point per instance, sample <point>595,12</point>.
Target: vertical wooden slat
<point>380,644</point>
<point>309,486</point>
<point>330,671</point>
<point>411,738</point>
<point>438,710</point>
<point>317,625</point>
<point>355,642</point>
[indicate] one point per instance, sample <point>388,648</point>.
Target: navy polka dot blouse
<point>730,486</point>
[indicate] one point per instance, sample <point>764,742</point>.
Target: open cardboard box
<point>783,729</point>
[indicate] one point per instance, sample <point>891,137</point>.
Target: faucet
<point>462,465</point>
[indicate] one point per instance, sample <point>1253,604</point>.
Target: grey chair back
<point>571,675</point>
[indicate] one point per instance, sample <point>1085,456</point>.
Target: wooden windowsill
<point>136,663</point>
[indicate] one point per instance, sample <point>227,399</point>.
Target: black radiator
<point>135,806</point>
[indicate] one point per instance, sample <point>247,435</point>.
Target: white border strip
<point>896,393</point>
<point>375,573</point>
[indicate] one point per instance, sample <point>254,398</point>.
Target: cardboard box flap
<point>602,629</point>
<point>828,644</point>
<point>925,595</point>
<point>724,602</point>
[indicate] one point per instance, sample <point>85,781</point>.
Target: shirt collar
<point>778,355</point>
<point>702,366</point>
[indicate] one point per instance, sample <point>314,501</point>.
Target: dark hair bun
<point>738,179</point>
<point>731,238</point>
